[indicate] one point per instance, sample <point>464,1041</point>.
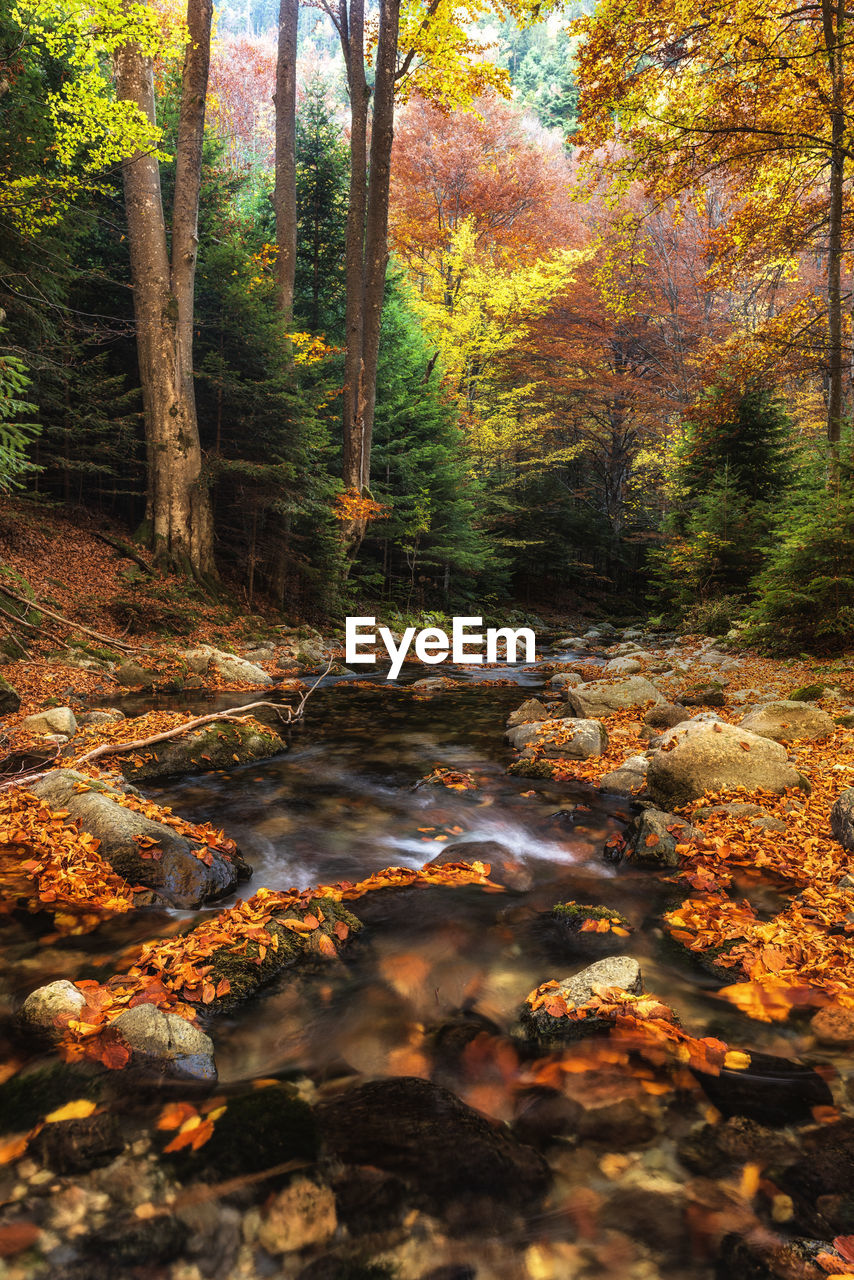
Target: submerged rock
<point>185,873</point>
<point>425,1135</point>
<point>298,1217</point>
<point>789,722</point>
<point>564,680</point>
<point>224,744</point>
<point>699,757</point>
<point>560,739</point>
<point>820,1180</point>
<point>602,697</point>
<point>572,915</point>
<point>772,1091</point>
<point>506,868</point>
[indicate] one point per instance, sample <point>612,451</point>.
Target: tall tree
<point>285,190</point>
<point>178,505</point>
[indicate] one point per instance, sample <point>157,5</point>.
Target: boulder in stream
<point>653,835</point>
<point>163,1044</point>
<point>53,720</point>
<point>48,1009</point>
<point>621,972</point>
<point>506,868</point>
<point>628,779</point>
<point>183,873</point>
<point>422,1133</point>
<point>603,697</point>
<point>560,739</point>
<point>224,744</point>
<point>700,757</point>
<point>531,712</point>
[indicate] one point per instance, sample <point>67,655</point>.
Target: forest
<point>340,340</point>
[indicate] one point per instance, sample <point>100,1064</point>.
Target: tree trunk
<point>833,20</point>
<point>285,190</point>
<point>353,44</point>
<point>178,503</point>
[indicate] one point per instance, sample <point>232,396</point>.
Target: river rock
<point>506,868</point>
<point>165,1043</point>
<point>224,744</point>
<point>53,720</point>
<point>180,876</point>
<point>622,972</point>
<point>716,757</point>
<point>773,1091</point>
<point>233,669</point>
<point>10,699</point>
<point>299,1217</point>
<point>627,780</point>
<point>530,712</point>
<point>425,1135</point>
<point>833,1025</point>
<point>602,697</point>
<point>653,835</point>
<point>842,819</point>
<point>561,739</point>
<point>789,722</point>
<point>133,674</point>
<point>102,715</point>
<point>432,684</point>
<point>564,680</point>
<point>47,1009</point>
<point>627,666</point>
<point>709,693</point>
<point>757,816</point>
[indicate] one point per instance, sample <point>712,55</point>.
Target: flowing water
<point>344,802</point>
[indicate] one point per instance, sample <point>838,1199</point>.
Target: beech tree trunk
<point>367,236</point>
<point>285,189</point>
<point>178,503</point>
<point>833,22</point>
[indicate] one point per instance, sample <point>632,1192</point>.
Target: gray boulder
<point>602,697</point>
<point>163,1043</point>
<point>505,867</point>
<point>621,972</point>
<point>653,836</point>
<point>789,722</point>
<point>10,699</point>
<point>701,757</point>
<point>629,779</point>
<point>102,715</point>
<point>233,669</point>
<point>842,819</point>
<point>54,720</point>
<point>530,712</point>
<point>47,1009</point>
<point>132,674</point>
<point>224,744</point>
<point>183,873</point>
<point>756,815</point>
<point>564,680</point>
<point>627,666</point>
<point>432,684</point>
<point>560,739</point>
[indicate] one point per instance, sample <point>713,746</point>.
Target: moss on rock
<point>573,914</point>
<point>222,745</point>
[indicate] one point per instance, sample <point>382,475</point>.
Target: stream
<point>437,967</point>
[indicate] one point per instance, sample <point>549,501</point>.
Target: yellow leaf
<point>77,1110</point>
<point>736,1061</point>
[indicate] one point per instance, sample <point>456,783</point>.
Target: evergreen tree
<point>322,185</point>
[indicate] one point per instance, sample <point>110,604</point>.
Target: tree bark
<point>178,502</point>
<point>285,190</point>
<point>833,21</point>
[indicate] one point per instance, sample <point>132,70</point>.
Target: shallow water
<point>343,802</point>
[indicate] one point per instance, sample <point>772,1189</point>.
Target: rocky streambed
<point>444,1073</point>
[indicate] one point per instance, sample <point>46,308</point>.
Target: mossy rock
<point>27,1097</point>
<point>845,722</point>
<point>571,915</point>
<point>248,973</point>
<point>807,693</point>
<point>528,768</point>
<point>258,1130</point>
<point>10,700</point>
<point>213,747</point>
<point>707,960</point>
